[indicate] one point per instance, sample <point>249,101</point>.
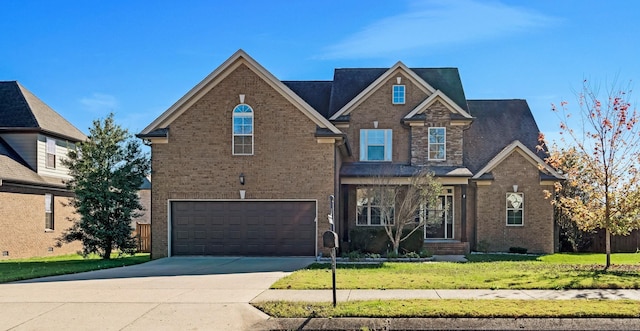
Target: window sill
<point>49,230</point>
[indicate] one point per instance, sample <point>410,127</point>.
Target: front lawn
<point>483,271</point>
<point>20,269</point>
<point>456,308</point>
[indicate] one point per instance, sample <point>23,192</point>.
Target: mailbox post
<point>330,240</point>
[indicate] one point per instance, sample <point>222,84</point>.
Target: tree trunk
<point>607,241</point>
<point>107,253</point>
<point>396,242</point>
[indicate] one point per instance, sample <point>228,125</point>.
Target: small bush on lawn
<point>518,250</point>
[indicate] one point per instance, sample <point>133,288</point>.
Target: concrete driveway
<point>185,293</point>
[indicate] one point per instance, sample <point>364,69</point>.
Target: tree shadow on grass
<point>475,258</point>
<point>316,266</point>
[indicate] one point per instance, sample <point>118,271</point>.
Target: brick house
<point>244,163</point>
<point>33,198</point>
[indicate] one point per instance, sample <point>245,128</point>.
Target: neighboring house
<point>34,210</point>
<point>244,163</point>
<point>144,193</point>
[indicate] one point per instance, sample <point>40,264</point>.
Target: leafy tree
<point>107,171</point>
<point>605,154</point>
<point>572,238</point>
<point>399,205</point>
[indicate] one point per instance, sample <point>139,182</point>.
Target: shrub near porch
<point>376,241</point>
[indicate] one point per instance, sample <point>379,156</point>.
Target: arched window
<point>242,130</point>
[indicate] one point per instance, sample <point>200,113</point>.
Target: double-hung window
<point>398,94</point>
<point>48,212</point>
<point>242,130</point>
<point>375,145</point>
<point>374,206</point>
<point>515,208</point>
<point>437,144</point>
<point>50,157</point>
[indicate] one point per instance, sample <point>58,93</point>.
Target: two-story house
<point>244,164</point>
<point>34,209</point>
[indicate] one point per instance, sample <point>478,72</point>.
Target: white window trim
<point>388,145</point>
<point>429,144</point>
<point>506,220</point>
<point>234,135</point>
<point>48,210</point>
<point>50,148</point>
<point>393,94</point>
<point>367,207</point>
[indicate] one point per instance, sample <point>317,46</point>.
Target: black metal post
<point>333,273</point>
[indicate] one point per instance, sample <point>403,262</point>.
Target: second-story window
<point>437,144</point>
<point>398,94</point>
<point>242,130</point>
<point>375,144</point>
<point>50,158</point>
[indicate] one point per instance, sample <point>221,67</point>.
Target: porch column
<point>463,212</point>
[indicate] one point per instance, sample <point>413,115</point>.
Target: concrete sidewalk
<point>447,323</point>
<point>355,295</point>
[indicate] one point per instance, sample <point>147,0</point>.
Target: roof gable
<point>517,146</point>
<point>236,60</point>
<point>444,99</point>
<point>379,82</point>
<point>22,110</point>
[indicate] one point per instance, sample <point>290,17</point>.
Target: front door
<point>440,220</point>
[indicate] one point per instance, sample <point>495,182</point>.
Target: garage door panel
<point>243,228</point>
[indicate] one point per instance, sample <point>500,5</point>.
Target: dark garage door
<point>271,228</point>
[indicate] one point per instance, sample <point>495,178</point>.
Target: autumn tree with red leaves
<point>601,161</point>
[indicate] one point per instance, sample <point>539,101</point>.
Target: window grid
<point>437,144</point>
<point>515,209</point>
<point>439,217</point>
<point>369,212</point>
<point>398,94</point>
<point>242,130</point>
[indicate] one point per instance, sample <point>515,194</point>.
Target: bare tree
<point>398,205</point>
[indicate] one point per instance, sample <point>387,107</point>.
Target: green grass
<point>20,269</point>
<point>500,271</point>
<point>455,308</point>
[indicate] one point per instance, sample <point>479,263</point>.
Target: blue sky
<point>136,58</point>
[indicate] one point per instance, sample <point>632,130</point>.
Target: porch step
<point>447,247</point>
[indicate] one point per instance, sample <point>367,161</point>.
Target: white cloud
<point>99,103</point>
<point>437,23</point>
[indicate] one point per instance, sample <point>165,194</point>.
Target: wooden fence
<point>143,233</point>
<point>619,244</point>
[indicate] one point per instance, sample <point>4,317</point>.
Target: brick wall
<point>536,234</point>
<point>197,163</point>
<point>379,107</point>
<point>22,220</point>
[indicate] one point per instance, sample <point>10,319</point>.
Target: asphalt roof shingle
<point>20,109</point>
<point>496,124</point>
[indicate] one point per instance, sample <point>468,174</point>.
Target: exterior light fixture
<point>241,179</point>
<point>515,188</point>
<point>375,124</point>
